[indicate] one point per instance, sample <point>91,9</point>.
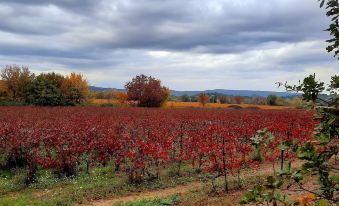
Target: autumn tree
<point>3,89</point>
<point>111,94</point>
<point>279,101</point>
<point>19,84</point>
<point>75,89</point>
<point>223,100</point>
<point>203,99</point>
<point>259,100</point>
<point>238,99</point>
<point>147,91</point>
<point>16,79</point>
<point>57,79</point>
<point>185,98</point>
<point>297,102</point>
<point>121,97</point>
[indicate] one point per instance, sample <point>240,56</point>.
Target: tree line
<point>273,100</point>
<point>19,84</point>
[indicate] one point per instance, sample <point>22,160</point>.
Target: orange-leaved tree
<point>3,89</point>
<point>75,89</point>
<point>203,99</point>
<point>16,79</point>
<point>238,99</point>
<point>121,97</point>
<point>147,91</point>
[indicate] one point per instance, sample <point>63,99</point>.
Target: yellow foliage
<point>279,101</point>
<point>104,101</point>
<point>16,78</point>
<point>121,97</point>
<point>77,82</point>
<point>306,199</point>
<point>171,104</point>
<point>3,86</point>
<point>297,102</point>
<point>3,89</point>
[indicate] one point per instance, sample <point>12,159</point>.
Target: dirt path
<point>181,189</point>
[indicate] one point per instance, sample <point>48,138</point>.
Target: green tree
<point>317,155</point>
<point>224,99</point>
<point>194,98</point>
<point>272,99</point>
<point>310,87</point>
<point>185,98</point>
<point>43,92</point>
<point>332,11</point>
<point>334,91</point>
<point>213,98</point>
<point>57,79</point>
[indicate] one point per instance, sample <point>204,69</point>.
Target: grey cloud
<point>72,5</point>
<point>116,35</point>
<point>171,25</point>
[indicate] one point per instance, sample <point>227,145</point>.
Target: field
<point>172,104</point>
<point>97,152</point>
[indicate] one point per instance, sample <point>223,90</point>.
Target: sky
<point>188,44</point>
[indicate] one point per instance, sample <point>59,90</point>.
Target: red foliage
<point>136,138</point>
<point>147,91</point>
<point>238,99</point>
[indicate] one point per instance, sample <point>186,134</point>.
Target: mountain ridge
<point>228,92</point>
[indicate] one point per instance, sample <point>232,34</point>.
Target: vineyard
<point>142,141</point>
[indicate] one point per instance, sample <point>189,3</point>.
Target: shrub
<point>109,105</point>
<point>43,92</point>
<point>147,91</point>
<point>234,107</point>
<point>253,107</point>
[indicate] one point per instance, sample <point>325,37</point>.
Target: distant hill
<point>103,89</point>
<point>244,93</point>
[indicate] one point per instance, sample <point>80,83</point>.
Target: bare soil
<point>181,189</point>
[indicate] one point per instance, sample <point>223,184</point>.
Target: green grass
<point>100,183</point>
<point>103,182</point>
<point>12,103</point>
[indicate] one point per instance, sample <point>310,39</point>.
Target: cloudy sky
<point>188,44</point>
